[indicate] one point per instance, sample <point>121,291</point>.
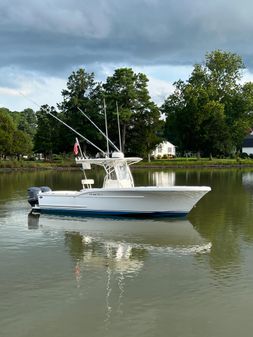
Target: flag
<point>75,149</point>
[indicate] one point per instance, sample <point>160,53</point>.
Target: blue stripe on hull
<point>113,213</point>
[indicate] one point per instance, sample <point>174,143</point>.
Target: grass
<point>160,163</point>
<point>25,164</point>
<point>197,162</point>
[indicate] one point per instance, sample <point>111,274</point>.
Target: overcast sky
<point>42,42</point>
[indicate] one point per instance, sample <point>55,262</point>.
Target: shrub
<point>244,155</point>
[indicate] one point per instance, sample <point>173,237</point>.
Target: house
<point>164,149</point>
<point>247,145</point>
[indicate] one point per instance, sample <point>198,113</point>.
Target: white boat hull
<point>136,201</point>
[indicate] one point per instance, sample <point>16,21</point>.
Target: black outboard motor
<point>33,194</point>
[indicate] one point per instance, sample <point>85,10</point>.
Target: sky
<point>43,42</point>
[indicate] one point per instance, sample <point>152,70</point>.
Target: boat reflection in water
<point>169,234</point>
<point>118,247</point>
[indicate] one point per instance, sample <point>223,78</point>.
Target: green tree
<point>139,116</point>
<point>80,93</point>
<point>206,113</point>
<point>7,128</point>
<point>240,118</point>
<point>21,144</point>
<point>47,139</point>
<point>13,142</point>
<point>26,121</point>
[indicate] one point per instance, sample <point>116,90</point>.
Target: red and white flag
<point>75,150</point>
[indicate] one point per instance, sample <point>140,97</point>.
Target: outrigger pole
<point>120,144</point>
<point>79,134</point>
<point>106,130</point>
<point>106,137</point>
<point>68,126</point>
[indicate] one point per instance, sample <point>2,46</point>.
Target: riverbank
<point>197,163</point>
<point>16,165</point>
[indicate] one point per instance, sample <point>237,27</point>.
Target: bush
<point>57,157</point>
<point>244,155</point>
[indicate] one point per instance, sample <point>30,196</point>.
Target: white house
<point>164,148</point>
<point>247,145</point>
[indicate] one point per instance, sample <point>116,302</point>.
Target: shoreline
<point>191,164</point>
<point>195,166</point>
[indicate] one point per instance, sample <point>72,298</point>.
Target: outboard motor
<point>33,194</point>
<point>45,189</point>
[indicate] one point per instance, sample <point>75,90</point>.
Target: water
<point>63,276</point>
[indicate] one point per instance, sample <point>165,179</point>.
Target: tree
<point>80,93</point>
<point>46,139</point>
<point>204,113</point>
<point>25,121</point>
<point>139,116</point>
<point>7,128</point>
<point>12,141</point>
<point>21,144</point>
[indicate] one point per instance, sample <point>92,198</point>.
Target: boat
<point>118,196</point>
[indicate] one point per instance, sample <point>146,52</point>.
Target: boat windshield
<point>122,171</point>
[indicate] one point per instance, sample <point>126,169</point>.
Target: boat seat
<point>87,182</point>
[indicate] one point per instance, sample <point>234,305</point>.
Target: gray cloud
<point>55,36</point>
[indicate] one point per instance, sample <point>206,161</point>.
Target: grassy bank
<point>6,165</point>
<point>36,165</point>
<point>197,162</point>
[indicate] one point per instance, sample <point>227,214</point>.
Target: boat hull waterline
<point>150,201</point>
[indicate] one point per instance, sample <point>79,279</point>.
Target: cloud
<point>28,89</point>
<point>47,40</point>
<point>53,36</point>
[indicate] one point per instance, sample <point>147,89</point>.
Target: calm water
<point>63,276</point>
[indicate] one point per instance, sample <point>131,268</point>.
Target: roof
<point>248,141</point>
<point>166,142</point>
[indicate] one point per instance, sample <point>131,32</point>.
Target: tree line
<point>210,113</point>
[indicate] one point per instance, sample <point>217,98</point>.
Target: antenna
<point>120,145</point>
<point>98,129</point>
<point>106,129</point>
